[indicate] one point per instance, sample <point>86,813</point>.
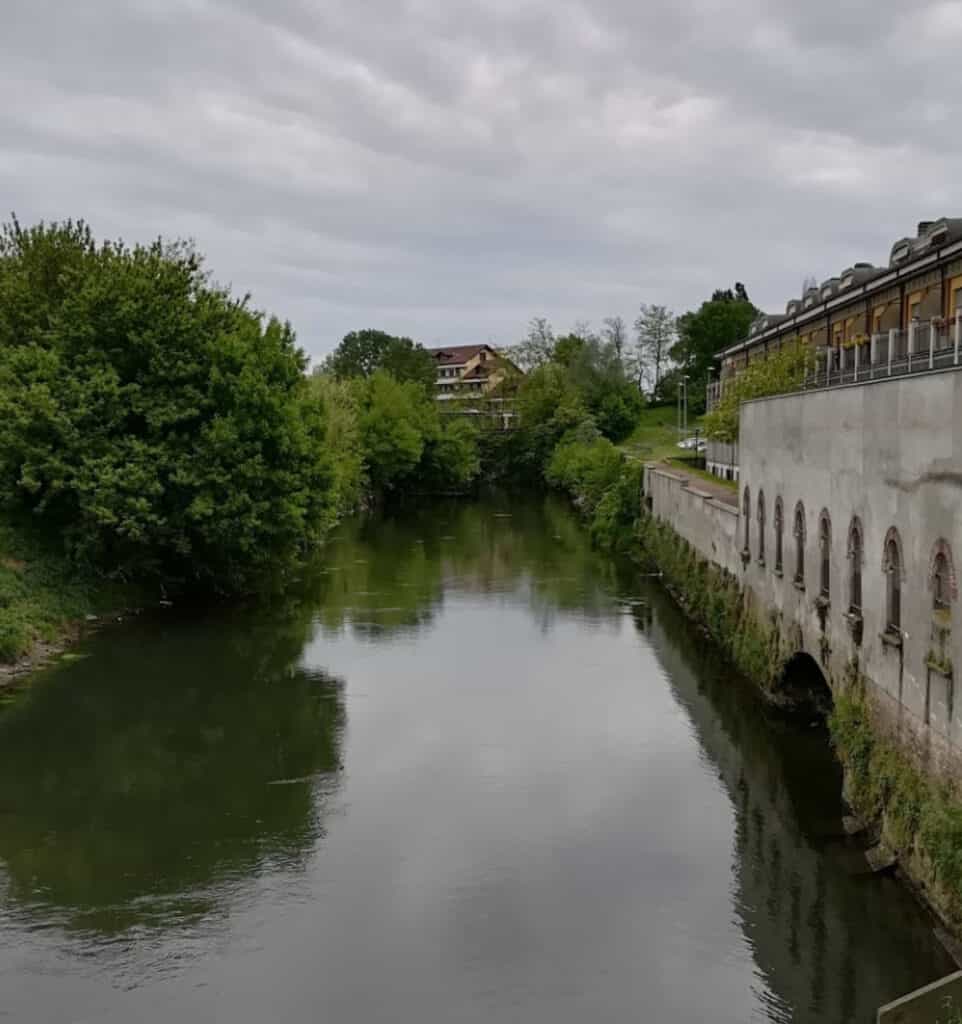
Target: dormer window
<point>848,281</point>
<point>792,308</point>
<point>939,237</point>
<point>809,302</point>
<point>827,292</point>
<point>900,253</point>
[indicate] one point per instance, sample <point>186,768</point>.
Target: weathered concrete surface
<point>938,1003</point>
<point>890,454</point>
<point>707,523</point>
<point>722,459</point>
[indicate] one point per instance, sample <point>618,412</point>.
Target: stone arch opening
<point>803,687</point>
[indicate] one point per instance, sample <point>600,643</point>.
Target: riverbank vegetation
<point>159,435</point>
<point>920,816</point>
<point>779,373</point>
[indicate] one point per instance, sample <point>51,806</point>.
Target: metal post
<point>873,352</point>
<point>841,360</point>
<point>956,330</point>
<point>931,344</point>
<point>892,333</point>
<point>856,360</point>
<point>912,326</point>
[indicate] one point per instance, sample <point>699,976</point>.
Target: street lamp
<point>685,380</point>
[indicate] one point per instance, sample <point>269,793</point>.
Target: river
<point>473,771</point>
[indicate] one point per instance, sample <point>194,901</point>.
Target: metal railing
<point>923,345</point>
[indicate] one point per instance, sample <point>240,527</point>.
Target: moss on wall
<point>920,815</point>
<point>713,598</point>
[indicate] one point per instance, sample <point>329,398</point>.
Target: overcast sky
<point>448,169</point>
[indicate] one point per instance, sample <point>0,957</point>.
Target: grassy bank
<point>655,436</point>
<point>43,598</point>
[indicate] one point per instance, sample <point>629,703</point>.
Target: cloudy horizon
<point>449,170</point>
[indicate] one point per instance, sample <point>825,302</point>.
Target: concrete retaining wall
<point>890,454</point>
<point>708,524</point>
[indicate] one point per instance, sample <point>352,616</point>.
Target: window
<point>761,527</point>
<point>855,555</point>
<point>779,529</point>
<point>799,532</point>
<point>825,552</point>
<point>747,515</point>
<point>940,583</point>
<point>943,586</point>
<point>913,305</point>
<point>892,567</point>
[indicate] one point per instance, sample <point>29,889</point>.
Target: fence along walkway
<point>923,345</point>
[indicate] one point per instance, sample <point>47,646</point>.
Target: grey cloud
<point>449,169</point>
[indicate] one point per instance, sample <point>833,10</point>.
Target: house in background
<point>467,371</point>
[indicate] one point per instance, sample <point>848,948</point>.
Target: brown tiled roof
<point>455,355</point>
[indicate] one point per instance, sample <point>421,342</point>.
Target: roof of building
<point>456,355</point>
<point>932,237</point>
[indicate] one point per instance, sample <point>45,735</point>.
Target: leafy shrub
<point>585,469</point>
<point>149,422</point>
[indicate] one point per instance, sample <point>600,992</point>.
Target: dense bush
<point>585,467</point>
<point>406,445</point>
<point>778,374</point>
<point>149,421</point>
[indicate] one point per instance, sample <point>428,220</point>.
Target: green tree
<point>363,353</point>
<point>716,324</point>
<point>656,331</point>
<point>780,373</point>
<point>342,440</point>
<point>397,420</point>
<point>537,346</point>
<point>451,459</point>
<point>149,421</point>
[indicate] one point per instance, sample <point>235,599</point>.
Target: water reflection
<point>381,579</point>
<point>137,784</point>
<point>552,803</point>
<point>830,942</point>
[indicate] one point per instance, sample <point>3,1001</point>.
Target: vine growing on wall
<point>780,373</point>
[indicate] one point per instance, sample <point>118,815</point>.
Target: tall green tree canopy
<point>363,353</point>
<point>152,423</point>
<point>721,321</point>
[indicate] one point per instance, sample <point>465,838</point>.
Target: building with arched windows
<point>865,483</point>
<point>866,323</point>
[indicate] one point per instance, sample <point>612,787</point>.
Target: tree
<point>536,348</point>
<point>397,420</point>
<point>615,333</point>
<point>779,373</point>
<point>656,333</point>
<point>363,353</point>
<point>151,423</point>
<point>715,325</point>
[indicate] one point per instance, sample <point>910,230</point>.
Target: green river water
<point>474,771</point>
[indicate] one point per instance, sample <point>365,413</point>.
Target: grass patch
<point>41,593</point>
<point>655,436</point>
<point>684,465</point>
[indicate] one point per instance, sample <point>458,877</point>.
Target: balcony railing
<point>923,345</point>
